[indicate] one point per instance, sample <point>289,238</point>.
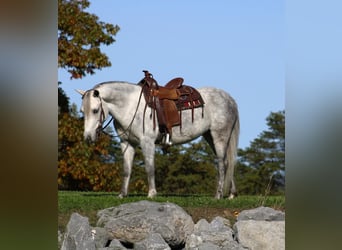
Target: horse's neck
<point>122,100</point>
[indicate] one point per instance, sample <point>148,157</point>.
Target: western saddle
<point>168,102</point>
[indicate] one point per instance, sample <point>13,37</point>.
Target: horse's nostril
<point>87,137</point>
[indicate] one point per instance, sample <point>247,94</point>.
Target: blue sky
<point>237,46</point>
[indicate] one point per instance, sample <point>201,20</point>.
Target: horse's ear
<point>80,91</point>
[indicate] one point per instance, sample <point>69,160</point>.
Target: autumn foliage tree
<point>82,166</point>
<point>80,35</point>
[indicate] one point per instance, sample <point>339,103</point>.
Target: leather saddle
<point>169,101</point>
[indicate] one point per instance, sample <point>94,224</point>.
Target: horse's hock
<point>153,225</point>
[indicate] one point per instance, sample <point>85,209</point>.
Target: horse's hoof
<point>231,196</point>
<point>152,193</point>
<point>121,196</point>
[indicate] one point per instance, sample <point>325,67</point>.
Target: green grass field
<point>198,206</point>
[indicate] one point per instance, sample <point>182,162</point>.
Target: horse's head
<point>94,111</point>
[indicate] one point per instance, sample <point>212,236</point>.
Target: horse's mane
<point>111,83</point>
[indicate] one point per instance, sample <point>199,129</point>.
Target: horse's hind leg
<point>221,174</point>
<point>218,145</point>
<point>128,155</point>
<point>232,190</point>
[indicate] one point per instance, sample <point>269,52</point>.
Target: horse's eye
<point>95,111</point>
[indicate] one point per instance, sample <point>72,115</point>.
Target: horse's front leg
<point>128,156</point>
<point>148,150</point>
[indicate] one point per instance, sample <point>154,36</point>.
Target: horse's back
<point>217,100</point>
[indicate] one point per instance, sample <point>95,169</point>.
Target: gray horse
<point>219,125</point>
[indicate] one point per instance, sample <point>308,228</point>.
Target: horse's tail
<point>230,159</point>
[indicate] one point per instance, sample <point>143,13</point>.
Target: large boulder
<point>261,229</point>
<point>134,222</point>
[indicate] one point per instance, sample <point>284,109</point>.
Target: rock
<point>134,222</point>
<point>60,239</point>
<point>219,223</point>
<point>216,235</point>
<point>202,225</point>
<point>101,237</point>
<point>116,244</point>
<point>261,213</point>
<point>261,228</point>
<point>153,241</point>
<point>78,234</point>
<point>260,235</point>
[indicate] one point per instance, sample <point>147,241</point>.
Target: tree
<point>80,35</point>
<point>187,169</point>
<point>261,166</point>
<point>82,166</point>
<point>63,101</point>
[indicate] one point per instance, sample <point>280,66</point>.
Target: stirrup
<point>167,140</point>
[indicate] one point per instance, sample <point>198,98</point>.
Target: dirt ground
<point>209,214</point>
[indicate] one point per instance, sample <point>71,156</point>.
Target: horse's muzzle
<point>89,138</point>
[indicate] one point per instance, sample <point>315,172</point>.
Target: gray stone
<point>116,245</point>
<point>133,222</point>
<point>207,246</point>
<point>202,225</point>
<point>78,234</point>
<point>101,236</point>
<point>60,239</point>
<point>216,235</point>
<point>219,223</point>
<point>153,241</point>
<point>260,235</point>
<point>261,213</point>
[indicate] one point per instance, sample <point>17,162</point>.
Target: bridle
<point>100,128</point>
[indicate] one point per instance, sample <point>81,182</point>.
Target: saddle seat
<point>175,83</point>
<point>169,101</point>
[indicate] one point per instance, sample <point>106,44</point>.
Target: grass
<point>198,206</point>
